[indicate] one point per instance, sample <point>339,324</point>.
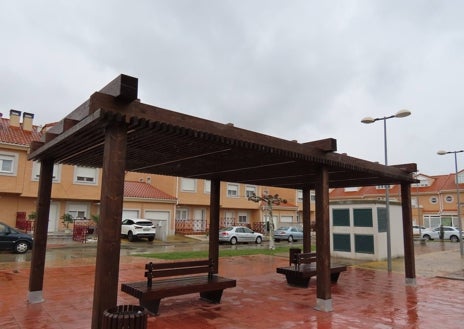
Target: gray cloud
<point>301,70</point>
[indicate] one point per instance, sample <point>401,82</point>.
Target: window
<point>242,218</point>
<point>188,185</point>
<point>181,214</point>
<point>77,210</point>
<point>8,163</point>
<point>232,190</point>
<point>423,182</point>
<point>207,186</point>
<point>250,190</point>
<point>36,171</point>
<point>76,214</point>
<point>85,175</point>
<point>364,243</point>
<point>432,220</point>
<point>299,196</point>
<point>341,242</point>
<point>433,200</point>
<point>341,217</point>
<point>382,220</point>
<point>449,198</point>
<point>460,178</point>
<point>362,217</point>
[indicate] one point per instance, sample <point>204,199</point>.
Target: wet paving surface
<point>366,296</point>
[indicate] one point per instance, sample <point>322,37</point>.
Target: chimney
<point>14,118</point>
<point>27,121</point>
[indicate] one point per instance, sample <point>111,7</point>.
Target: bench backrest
<point>158,270</point>
<point>303,258</point>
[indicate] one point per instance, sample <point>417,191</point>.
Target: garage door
<point>130,214</point>
<point>286,219</point>
<point>161,221</point>
<point>157,215</point>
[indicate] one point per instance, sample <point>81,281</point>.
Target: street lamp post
<point>461,248</point>
<point>367,120</point>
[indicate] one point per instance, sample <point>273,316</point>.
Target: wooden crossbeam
<point>124,88</point>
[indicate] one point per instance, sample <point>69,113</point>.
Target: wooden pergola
<point>114,131</point>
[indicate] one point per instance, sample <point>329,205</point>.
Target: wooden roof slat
<point>162,141</point>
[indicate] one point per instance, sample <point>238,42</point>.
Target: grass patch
<point>176,255</point>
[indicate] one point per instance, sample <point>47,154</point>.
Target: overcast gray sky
<point>299,69</point>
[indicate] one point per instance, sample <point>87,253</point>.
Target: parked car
<point>238,234</point>
<point>14,240</point>
<point>136,228</point>
<point>449,233</point>
<point>289,233</point>
<point>417,230</point>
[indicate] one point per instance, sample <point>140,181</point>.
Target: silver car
<point>236,234</point>
<point>289,233</point>
<point>449,233</point>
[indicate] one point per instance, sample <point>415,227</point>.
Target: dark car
<point>14,240</point>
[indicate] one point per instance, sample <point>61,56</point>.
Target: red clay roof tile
<point>144,191</point>
<point>16,135</point>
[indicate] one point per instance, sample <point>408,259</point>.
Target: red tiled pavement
<point>363,298</point>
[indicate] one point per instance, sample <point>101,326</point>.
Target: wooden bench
<point>181,278</point>
<point>303,267</point>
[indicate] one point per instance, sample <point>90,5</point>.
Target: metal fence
<point>201,226</point>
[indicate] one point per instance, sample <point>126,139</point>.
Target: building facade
<point>434,199</point>
<point>176,204</point>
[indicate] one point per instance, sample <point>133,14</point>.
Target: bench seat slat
<point>180,271</point>
<point>191,263</point>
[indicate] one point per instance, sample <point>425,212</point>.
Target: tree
<point>269,200</point>
<point>66,219</point>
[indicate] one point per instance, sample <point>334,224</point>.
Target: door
<point>53,217</point>
<point>199,223</point>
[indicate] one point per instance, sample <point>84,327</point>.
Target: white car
<point>449,233</point>
<point>135,228</point>
<point>235,234</point>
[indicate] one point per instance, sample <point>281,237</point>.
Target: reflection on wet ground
<point>366,296</point>
<point>362,298</point>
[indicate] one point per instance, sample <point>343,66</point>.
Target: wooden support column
<point>408,239</point>
<point>324,294</point>
<point>215,197</point>
<point>109,227</point>
<point>39,249</point>
<point>306,219</point>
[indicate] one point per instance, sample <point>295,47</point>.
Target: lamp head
<point>402,114</point>
<point>441,152</point>
<point>368,120</point>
